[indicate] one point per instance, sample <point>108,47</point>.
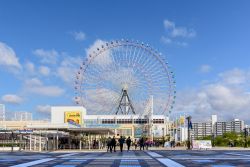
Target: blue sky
<point>207,43</point>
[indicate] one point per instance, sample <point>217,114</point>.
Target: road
<point>159,158</point>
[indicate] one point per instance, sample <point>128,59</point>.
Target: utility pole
<point>189,127</point>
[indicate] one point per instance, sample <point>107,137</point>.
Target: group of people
<point>111,143</point>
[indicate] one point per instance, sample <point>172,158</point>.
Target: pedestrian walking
<point>109,144</point>
<point>147,143</point>
<point>113,143</point>
<point>94,144</point>
<point>142,143</point>
<point>128,142</point>
<point>135,143</point>
<point>121,141</point>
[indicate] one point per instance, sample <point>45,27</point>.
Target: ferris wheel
<point>119,77</point>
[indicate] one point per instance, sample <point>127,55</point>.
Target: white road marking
<point>213,158</point>
<point>238,154</point>
<point>154,154</point>
<point>34,162</point>
<point>203,160</point>
<point>135,160</point>
<point>222,166</point>
<point>67,155</point>
<point>169,162</point>
<point>105,158</point>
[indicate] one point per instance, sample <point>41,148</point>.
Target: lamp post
<point>189,127</point>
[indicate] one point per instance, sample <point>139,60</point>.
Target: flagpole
<point>189,126</point>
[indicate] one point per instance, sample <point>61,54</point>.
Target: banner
<point>202,144</point>
<point>138,131</point>
<point>73,117</point>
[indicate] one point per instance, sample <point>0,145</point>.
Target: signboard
<point>25,131</point>
<point>182,120</point>
<point>111,126</point>
<point>138,132</point>
<point>202,144</point>
<point>73,117</point>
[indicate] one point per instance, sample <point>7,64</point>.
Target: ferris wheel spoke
<point>129,56</point>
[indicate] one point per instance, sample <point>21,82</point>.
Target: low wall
<point>9,148</point>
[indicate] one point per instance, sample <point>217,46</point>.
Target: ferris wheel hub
<point>125,86</point>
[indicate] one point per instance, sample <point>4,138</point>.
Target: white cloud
<point>35,86</point>
<point>184,44</point>
<point>227,97</point>
<point>68,68</point>
<point>44,70</point>
<point>47,56</point>
<point>205,68</point>
<point>43,109</point>
<point>100,100</point>
<point>33,82</point>
<point>235,76</point>
<point>175,31</point>
<point>169,24</point>
<point>12,99</point>
<point>8,56</point>
<point>104,59</point>
<point>79,36</point>
<point>47,90</point>
<point>166,40</point>
<point>183,32</point>
<point>176,35</point>
<point>30,67</point>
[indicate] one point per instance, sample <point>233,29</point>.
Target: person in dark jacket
<point>128,142</point>
<point>142,143</point>
<point>113,143</point>
<point>121,142</point>
<point>109,144</point>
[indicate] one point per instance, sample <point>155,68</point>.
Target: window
<point>108,121</point>
<point>141,121</point>
<point>158,121</point>
<point>124,121</point>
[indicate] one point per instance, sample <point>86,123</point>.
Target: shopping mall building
<point>71,127</point>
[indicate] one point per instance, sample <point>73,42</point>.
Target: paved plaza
<point>159,158</point>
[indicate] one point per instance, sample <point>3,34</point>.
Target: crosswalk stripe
<point>169,162</point>
<point>34,162</point>
<point>238,154</point>
<point>154,154</point>
<point>67,155</point>
<point>104,158</point>
<point>213,158</point>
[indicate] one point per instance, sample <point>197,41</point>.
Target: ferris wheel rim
<point>120,43</point>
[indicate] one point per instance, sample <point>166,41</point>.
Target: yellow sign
<point>182,120</point>
<point>74,117</point>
